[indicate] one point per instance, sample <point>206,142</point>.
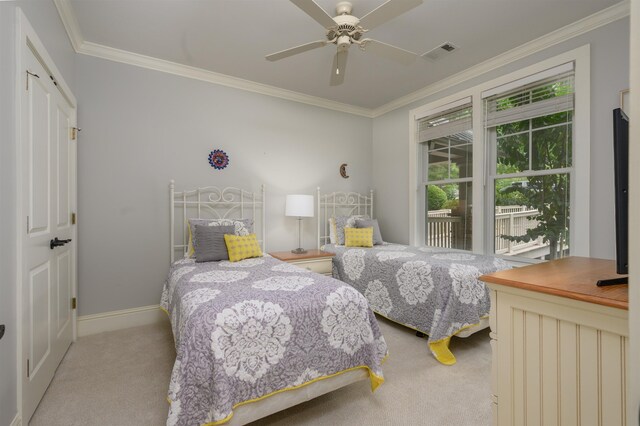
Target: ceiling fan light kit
<point>344,29</point>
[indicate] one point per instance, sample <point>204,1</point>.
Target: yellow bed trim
<point>376,381</point>
<point>439,348</point>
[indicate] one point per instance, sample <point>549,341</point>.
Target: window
<point>529,131</point>
<point>512,156</point>
<point>446,142</point>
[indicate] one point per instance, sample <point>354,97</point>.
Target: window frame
<point>483,218</point>
<point>493,176</point>
<point>423,169</point>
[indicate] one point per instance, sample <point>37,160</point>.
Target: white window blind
<point>535,100</point>
<point>445,124</point>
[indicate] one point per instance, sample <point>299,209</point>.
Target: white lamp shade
<point>299,206</point>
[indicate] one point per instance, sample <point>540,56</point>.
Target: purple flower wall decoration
<point>218,159</point>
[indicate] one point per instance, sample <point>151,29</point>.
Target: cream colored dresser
<point>313,260</point>
<point>559,344</point>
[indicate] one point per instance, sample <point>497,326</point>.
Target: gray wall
<point>141,128</point>
<point>609,75</point>
<point>44,18</point>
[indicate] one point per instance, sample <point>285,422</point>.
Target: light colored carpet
<point>121,378</point>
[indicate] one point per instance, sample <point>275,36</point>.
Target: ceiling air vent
<point>440,51</point>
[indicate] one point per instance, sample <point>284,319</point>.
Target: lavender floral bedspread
<point>433,290</point>
<point>247,329</point>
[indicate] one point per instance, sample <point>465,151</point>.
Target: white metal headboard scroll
<point>214,203</point>
<point>340,204</point>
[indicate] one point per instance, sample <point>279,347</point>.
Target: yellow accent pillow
<point>358,237</point>
<point>242,246</point>
<point>191,250</point>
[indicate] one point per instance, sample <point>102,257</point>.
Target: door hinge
<point>29,73</point>
<point>27,368</point>
<point>27,224</point>
<point>74,133</point>
<point>74,303</point>
<point>73,218</point>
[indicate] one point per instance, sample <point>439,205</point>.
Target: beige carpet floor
<point>121,378</point>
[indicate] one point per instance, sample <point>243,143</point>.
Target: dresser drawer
<point>321,266</point>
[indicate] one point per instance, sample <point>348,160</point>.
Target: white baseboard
<point>17,421</point>
<point>118,320</point>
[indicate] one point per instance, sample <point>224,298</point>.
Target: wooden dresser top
<point>571,277</point>
<point>287,256</point>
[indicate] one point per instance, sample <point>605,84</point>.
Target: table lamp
<point>299,206</point>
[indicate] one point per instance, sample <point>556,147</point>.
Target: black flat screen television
<point>621,172</point>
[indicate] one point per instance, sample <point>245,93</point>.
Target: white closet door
<point>48,191</point>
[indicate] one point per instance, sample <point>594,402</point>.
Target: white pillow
<point>332,231</point>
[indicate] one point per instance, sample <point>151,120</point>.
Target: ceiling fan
<point>344,29</point>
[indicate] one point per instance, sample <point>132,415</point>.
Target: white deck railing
<point>440,213</point>
<point>515,224</point>
<point>444,230</point>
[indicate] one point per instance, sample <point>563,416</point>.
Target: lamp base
<point>299,250</point>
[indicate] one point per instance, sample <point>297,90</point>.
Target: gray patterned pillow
<point>345,222</point>
<point>241,226</point>
<point>209,243</point>
<point>371,223</point>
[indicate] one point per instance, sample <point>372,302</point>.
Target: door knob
<point>58,243</point>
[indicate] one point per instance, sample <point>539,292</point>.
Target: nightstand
<point>313,260</point>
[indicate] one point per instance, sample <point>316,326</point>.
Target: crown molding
<point>590,23</point>
<point>70,22</point>
<point>117,55</point>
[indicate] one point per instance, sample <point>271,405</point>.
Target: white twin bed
<point>257,336</point>
<point>434,291</point>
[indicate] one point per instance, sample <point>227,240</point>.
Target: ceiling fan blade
<point>312,9</point>
<point>388,51</point>
<point>339,68</point>
<point>295,50</point>
<point>386,12</point>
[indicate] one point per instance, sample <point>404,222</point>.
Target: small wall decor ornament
<point>343,171</point>
<point>218,159</point>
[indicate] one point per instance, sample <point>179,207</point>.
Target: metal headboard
<point>340,204</point>
<point>213,203</point>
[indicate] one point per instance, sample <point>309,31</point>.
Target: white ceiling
<point>232,37</point>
